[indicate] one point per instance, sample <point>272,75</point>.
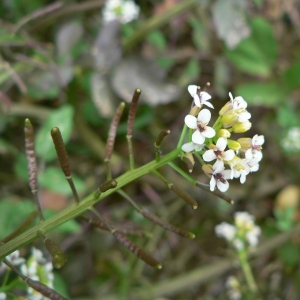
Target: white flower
<point>200,98</point>
<point>200,124</point>
<point>244,220</point>
<point>239,168</point>
<point>252,236</point>
<point>2,296</point>
<point>124,10</point>
<point>256,147</point>
<point>239,106</point>
<point>219,176</point>
<point>190,147</point>
<point>226,231</point>
<point>218,151</point>
<point>238,244</point>
<point>14,258</point>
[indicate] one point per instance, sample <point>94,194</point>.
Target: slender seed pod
<point>132,110</point>
<point>184,196</point>
<point>139,252</point>
<point>112,137</point>
<point>44,289</point>
<point>63,159</point>
<point>110,184</point>
<point>161,137</point>
<point>31,164</point>
<point>166,225</point>
<point>127,231</point>
<point>58,256</point>
<point>22,227</point>
<point>215,192</point>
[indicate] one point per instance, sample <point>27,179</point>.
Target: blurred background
<point>69,64</point>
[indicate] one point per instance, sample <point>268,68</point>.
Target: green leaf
<point>13,213</point>
<point>291,77</point>
<point>256,54</point>
<point>191,72</point>
<point>157,39</point>
<point>20,167</point>
<point>60,285</point>
<point>287,116</point>
<point>61,118</point>
<point>267,94</point>
<point>54,180</point>
<point>290,254</point>
<point>69,227</point>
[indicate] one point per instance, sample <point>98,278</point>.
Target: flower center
<point>219,176</point>
<point>201,126</point>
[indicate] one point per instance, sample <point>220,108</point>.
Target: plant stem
<point>75,209</point>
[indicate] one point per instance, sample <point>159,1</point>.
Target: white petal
<point>188,147</point>
<point>257,155</point>
<point>197,101</point>
<point>248,154</point>
<point>208,104</point>
<point>230,96</point>
<point>198,138</point>
<point>204,116</point>
<point>198,147</point>
<point>228,155</point>
<point>243,178</point>
<point>218,167</point>
<point>190,121</point>
<point>258,140</point>
<point>209,132</point>
<point>205,96</point>
<point>227,174</point>
<point>221,143</point>
<point>193,90</point>
<point>209,155</point>
<point>223,187</point>
<point>212,183</point>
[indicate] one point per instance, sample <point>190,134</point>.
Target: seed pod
<point>184,196</point>
<point>44,289</point>
<point>58,257</point>
<point>166,225</point>
<point>132,110</point>
<point>161,137</point>
<point>110,184</point>
<point>139,252</point>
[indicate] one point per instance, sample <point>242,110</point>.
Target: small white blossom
<point>124,10</point>
<point>256,146</point>
<point>190,147</point>
<point>2,296</point>
<point>252,236</point>
<point>226,231</point>
<point>244,220</point>
<point>218,151</point>
<point>233,287</point>
<point>219,177</point>
<point>200,124</point>
<point>200,98</point>
<point>239,106</point>
<point>15,259</point>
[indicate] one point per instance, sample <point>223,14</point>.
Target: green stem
<point>247,271</point>
<point>75,209</point>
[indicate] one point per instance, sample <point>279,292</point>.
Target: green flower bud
<point>241,127</point>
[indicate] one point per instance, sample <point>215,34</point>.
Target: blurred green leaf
<point>287,116</point>
<point>199,34</point>
<point>13,213</point>
<point>290,254</point>
<point>54,179</point>
<point>60,285</point>
<point>291,76</point>
<point>157,39</point>
<point>20,167</point>
<point>190,73</point>
<point>267,94</point>
<point>61,118</point>
<point>6,147</point>
<point>284,218</point>
<point>256,54</point>
<point>69,227</point>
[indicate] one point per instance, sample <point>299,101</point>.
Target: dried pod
<point>132,111</point>
<point>139,252</point>
<point>44,289</point>
<point>184,196</point>
<point>166,225</point>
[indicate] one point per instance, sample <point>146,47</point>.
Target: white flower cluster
<point>123,10</point>
<point>291,142</point>
<point>233,288</point>
<point>244,233</point>
<point>37,268</point>
<point>242,155</point>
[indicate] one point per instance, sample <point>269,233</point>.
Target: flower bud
<point>226,108</point>
<point>241,127</point>
<point>234,145</point>
<point>229,119</point>
<point>195,111</point>
<point>208,169</point>
<point>189,161</point>
<point>246,143</point>
<point>223,133</point>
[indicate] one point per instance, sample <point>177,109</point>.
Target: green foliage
<point>54,179</point>
<point>287,116</point>
<point>284,218</point>
<point>20,167</point>
<point>62,118</point>
<point>256,55</point>
<point>291,77</point>
<point>290,254</point>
